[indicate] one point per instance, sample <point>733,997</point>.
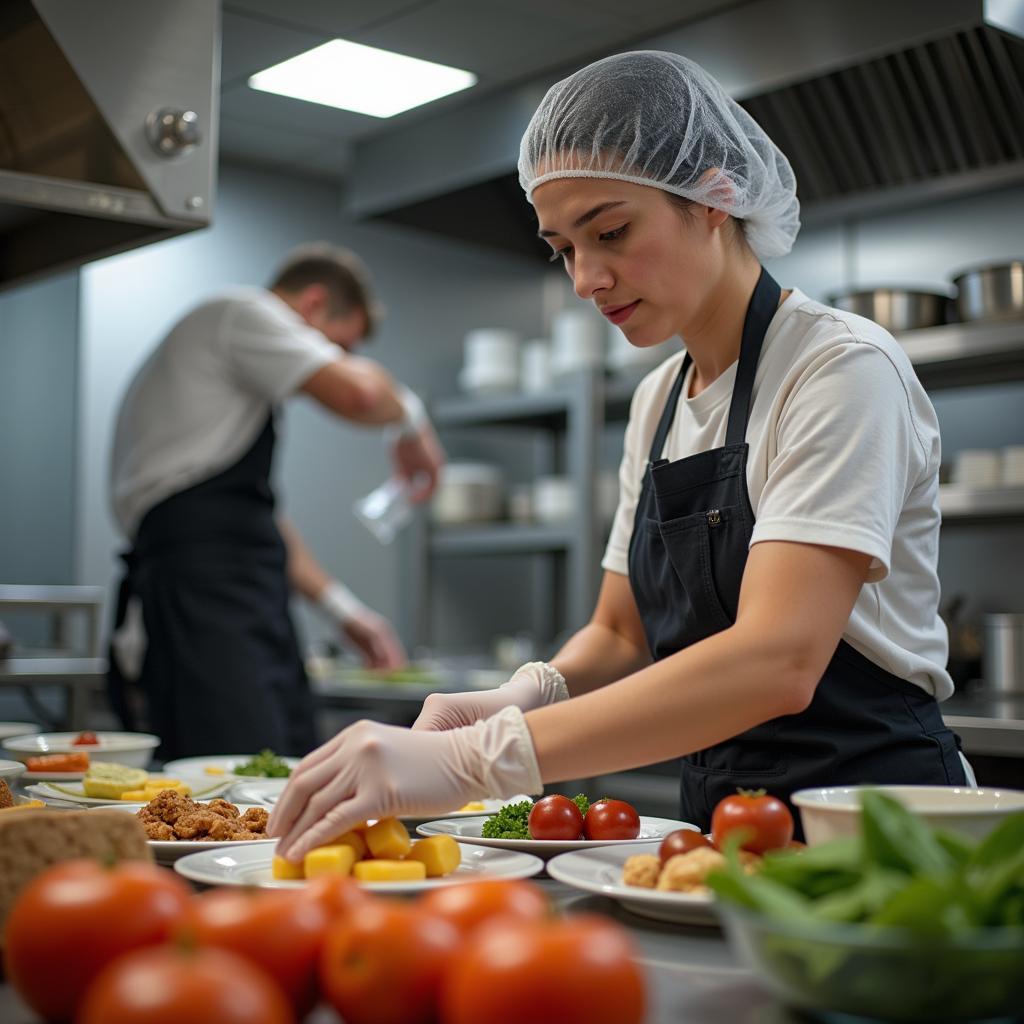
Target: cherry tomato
<point>611,819</point>
<point>169,985</point>
<point>555,817</point>
<point>82,915</point>
<point>86,739</point>
<point>472,904</point>
<point>581,970</point>
<point>384,963</point>
<point>280,932</point>
<point>765,820</point>
<point>683,840</point>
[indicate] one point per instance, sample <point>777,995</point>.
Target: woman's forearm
<point>700,696</point>
<point>595,656</point>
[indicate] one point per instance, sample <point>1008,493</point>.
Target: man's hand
<point>418,458</point>
<point>375,639</point>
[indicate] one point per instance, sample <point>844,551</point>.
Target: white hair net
<point>658,119</point>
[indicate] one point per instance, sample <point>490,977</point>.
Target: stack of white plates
<point>490,361</point>
<point>578,340</point>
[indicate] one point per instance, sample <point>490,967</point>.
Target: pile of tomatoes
<point>559,818</point>
<point>754,820</point>
<point>130,943</point>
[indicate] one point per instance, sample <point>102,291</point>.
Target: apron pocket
<point>708,551</point>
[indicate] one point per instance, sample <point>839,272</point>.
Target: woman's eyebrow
<point>587,217</point>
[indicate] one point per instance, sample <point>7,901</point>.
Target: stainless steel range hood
<point>878,104</point>
<point>107,127</point>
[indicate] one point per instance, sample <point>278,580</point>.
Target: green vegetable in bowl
<point>265,764</point>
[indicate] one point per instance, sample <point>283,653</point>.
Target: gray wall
<point>434,291</point>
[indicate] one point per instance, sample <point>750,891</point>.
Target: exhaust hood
<point>107,128</point>
<point>878,105</point>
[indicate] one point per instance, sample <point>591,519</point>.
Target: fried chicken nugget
<point>687,872</point>
<point>169,805</point>
<point>221,807</point>
<point>6,796</point>
<point>255,820</point>
<point>222,829</point>
<point>196,824</point>
<point>159,830</point>
<point>641,870</point>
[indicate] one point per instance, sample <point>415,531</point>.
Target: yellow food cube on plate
<point>353,839</point>
<point>440,855</point>
<point>473,805</point>
<point>138,796</point>
<point>214,769</point>
<point>285,870</point>
<point>336,859</point>
<point>388,839</point>
<point>390,870</point>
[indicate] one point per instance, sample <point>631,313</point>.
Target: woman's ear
<point>720,192</point>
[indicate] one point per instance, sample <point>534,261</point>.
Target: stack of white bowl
<point>578,340</point>
<point>490,361</point>
<point>536,374</point>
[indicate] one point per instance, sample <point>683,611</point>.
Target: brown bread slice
<point>32,840</point>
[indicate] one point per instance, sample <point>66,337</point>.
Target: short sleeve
<point>269,354</point>
<point>848,451</point>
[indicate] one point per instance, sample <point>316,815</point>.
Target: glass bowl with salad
<point>901,922</point>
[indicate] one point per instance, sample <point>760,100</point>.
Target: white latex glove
<point>363,628</point>
<point>371,770</point>
<point>416,452</point>
<point>532,686</point>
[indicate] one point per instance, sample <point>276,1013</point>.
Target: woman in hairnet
<point>769,609</point>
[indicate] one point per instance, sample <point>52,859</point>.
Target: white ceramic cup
<point>977,467</point>
<point>578,340</point>
<point>535,373</point>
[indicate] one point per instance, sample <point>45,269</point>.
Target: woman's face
<point>648,266</point>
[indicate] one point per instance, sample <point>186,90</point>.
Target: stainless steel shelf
<point>956,355</point>
<point>499,539</point>
<point>960,504</point>
<point>549,410</point>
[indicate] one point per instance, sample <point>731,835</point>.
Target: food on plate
<point>76,762</point>
<point>857,916</point>
<point>32,840</point>
<point>175,984</point>
<point>473,805</point>
<point>385,963</point>
<point>74,919</point>
<point>267,764</point>
<point>579,970</point>
<point>6,797</point>
<point>764,821</point>
<point>683,840</point>
<point>279,932</point>
<point>558,818</point>
<point>378,852</point>
<point>611,820</point>
<point>172,816</point>
<point>86,739</point>
<point>555,818</point>
<point>682,872</point>
<point>108,781</point>
<point>473,904</point>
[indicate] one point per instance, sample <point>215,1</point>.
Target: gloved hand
<point>371,770</point>
<point>532,685</point>
<point>416,452</point>
<point>372,635</point>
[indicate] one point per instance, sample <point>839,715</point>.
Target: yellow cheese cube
<point>353,839</point>
<point>329,860</point>
<point>213,769</point>
<point>282,869</point>
<point>388,839</point>
<point>440,855</point>
<point>390,870</point>
<point>139,796</point>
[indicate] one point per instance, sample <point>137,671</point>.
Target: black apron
<point>686,557</point>
<point>222,671</point>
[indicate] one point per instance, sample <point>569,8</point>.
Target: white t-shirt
<point>200,400</point>
<point>844,451</point>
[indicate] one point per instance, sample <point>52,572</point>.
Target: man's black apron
<point>689,547</point>
<point>222,671</point>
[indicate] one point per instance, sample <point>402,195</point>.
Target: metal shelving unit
<point>995,504</point>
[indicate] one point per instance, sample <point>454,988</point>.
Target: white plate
<point>227,762</point>
<point>250,864</point>
<point>72,793</point>
<point>12,769</point>
<point>53,776</point>
<point>490,807</point>
<point>134,749</point>
<point>467,830</point>
<point>259,791</point>
<point>167,851</point>
<point>600,871</point>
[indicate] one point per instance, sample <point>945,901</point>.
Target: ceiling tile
<point>269,110</point>
<point>249,46</point>
<point>323,16</point>
<point>241,139</point>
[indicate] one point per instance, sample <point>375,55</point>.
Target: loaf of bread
<point>32,840</point>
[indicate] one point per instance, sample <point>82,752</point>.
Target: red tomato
<point>611,819</point>
<point>384,962</point>
<point>683,840</point>
<point>581,970</point>
<point>555,817</point>
<point>280,932</point>
<point>765,820</point>
<point>82,915</point>
<point>85,739</point>
<point>169,985</point>
<point>472,904</point>
<point>337,894</point>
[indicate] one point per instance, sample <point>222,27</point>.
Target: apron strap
<point>668,414</point>
<point>763,305</point>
